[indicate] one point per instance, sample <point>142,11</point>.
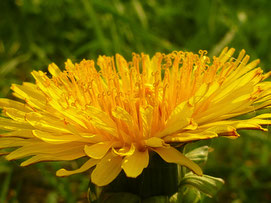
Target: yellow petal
<point>232,91</point>
<point>56,138</point>
<point>226,54</point>
<point>87,165</point>
<point>7,142</point>
<point>123,70</point>
<point>133,165</point>
<point>243,68</point>
<point>249,125</point>
<point>259,121</point>
<point>34,147</point>
<point>72,113</point>
<point>106,170</point>
<point>8,124</point>
<point>178,119</point>
<point>188,137</point>
<point>223,104</point>
<point>264,116</point>
<point>32,96</point>
<point>97,151</point>
<point>125,151</point>
<point>231,125</point>
<point>14,104</point>
<point>54,70</point>
<point>97,114</point>
<point>19,133</point>
<point>155,142</point>
<point>146,115</point>
<point>101,120</point>
<point>15,114</point>
<point>172,155</point>
<point>46,123</point>
<point>121,114</point>
<point>225,130</point>
<point>93,138</point>
<point>69,65</point>
<point>67,155</point>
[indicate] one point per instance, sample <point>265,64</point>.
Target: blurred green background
<point>34,33</point>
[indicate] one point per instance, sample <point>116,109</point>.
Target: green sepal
<point>206,184</point>
<point>187,194</point>
<point>199,154</point>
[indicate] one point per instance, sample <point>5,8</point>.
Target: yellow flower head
<point>119,113</point>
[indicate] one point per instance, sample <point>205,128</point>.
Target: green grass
<point>34,33</point>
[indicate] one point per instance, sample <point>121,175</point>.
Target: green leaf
<point>156,199</point>
<point>199,154</point>
<point>206,184</point>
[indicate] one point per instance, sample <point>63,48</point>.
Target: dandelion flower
<point>119,113</point>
